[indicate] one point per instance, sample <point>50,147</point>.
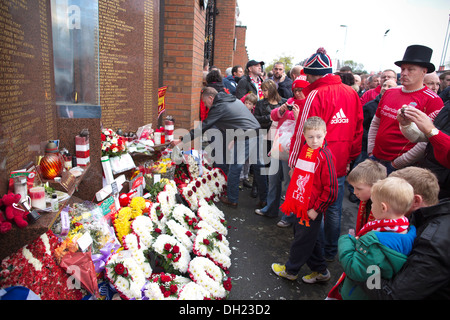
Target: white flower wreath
<point>193,291</point>
<point>179,261</point>
<point>143,227</point>
<point>213,246</point>
<point>211,277</point>
<point>129,282</point>
<point>131,243</point>
<point>213,216</point>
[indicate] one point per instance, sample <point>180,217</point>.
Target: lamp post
<point>345,42</point>
<point>382,46</point>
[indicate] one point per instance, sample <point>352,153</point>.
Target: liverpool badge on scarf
<point>299,190</point>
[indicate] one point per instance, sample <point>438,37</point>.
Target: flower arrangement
<point>122,221</point>
<point>181,234</point>
<point>164,286</point>
<point>143,227</point>
<point>138,252</point>
<point>126,275</point>
<point>213,246</point>
<point>172,254</point>
<point>211,277</point>
<point>35,267</point>
<point>112,144</point>
<point>194,291</point>
<point>213,216</point>
<point>185,217</point>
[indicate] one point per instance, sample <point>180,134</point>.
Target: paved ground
<point>256,242</point>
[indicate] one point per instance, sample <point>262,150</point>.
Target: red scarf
<point>387,225</point>
<point>299,190</point>
<point>363,217</point>
<point>258,87</point>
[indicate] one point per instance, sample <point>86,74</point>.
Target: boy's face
<point>379,209</point>
<point>362,190</point>
<point>249,105</point>
<point>314,137</point>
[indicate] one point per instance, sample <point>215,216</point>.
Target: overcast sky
<point>298,28</point>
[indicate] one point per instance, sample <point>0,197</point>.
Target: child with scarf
<point>381,247</point>
<point>313,187</point>
<point>362,178</point>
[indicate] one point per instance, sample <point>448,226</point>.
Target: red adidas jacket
<point>340,107</point>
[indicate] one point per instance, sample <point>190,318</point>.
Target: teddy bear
<point>5,226</point>
<point>13,213</point>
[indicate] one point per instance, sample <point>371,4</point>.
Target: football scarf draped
<point>363,217</point>
<point>387,225</point>
<point>299,190</point>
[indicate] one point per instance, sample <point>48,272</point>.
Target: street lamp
<point>345,41</point>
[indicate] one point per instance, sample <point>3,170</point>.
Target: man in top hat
<point>386,142</point>
<point>251,82</point>
<point>340,107</point>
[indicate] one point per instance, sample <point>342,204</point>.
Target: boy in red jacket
<point>340,107</point>
<point>312,189</point>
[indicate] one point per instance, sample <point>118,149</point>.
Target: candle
<point>37,196</point>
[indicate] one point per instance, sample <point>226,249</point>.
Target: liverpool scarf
<point>363,216</point>
<point>389,225</point>
<point>299,190</point>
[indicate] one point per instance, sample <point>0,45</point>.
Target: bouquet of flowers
<point>213,246</point>
<point>112,144</point>
<point>35,267</point>
<point>171,254</point>
<point>211,277</point>
<point>164,286</point>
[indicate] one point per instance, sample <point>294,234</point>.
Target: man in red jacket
<point>340,107</point>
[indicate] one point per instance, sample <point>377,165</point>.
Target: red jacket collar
<point>326,80</point>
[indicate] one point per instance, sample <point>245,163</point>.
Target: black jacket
<point>227,112</point>
<point>426,273</point>
<point>262,112</point>
<point>245,86</point>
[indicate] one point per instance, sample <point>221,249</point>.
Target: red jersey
<point>390,143</point>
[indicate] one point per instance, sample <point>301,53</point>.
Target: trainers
<point>283,224</point>
<point>280,270</point>
<point>317,277</point>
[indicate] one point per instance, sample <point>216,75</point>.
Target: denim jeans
<point>331,227</point>
<point>278,175</point>
<point>236,162</point>
<point>386,163</point>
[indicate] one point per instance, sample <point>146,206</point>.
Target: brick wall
<point>184,29</point>
<point>241,54</point>
<point>224,34</point>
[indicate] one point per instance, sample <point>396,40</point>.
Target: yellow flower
<point>137,203</point>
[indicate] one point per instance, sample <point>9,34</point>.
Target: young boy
<point>250,101</point>
<point>362,178</point>
<point>381,247</point>
<point>313,187</point>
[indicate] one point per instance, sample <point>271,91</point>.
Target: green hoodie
<point>358,258</point>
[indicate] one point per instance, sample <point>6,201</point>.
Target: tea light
<point>37,196</point>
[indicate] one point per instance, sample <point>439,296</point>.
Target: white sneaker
<point>283,224</point>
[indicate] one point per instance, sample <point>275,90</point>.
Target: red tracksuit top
<point>340,107</point>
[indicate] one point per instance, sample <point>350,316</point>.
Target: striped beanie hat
<point>318,64</point>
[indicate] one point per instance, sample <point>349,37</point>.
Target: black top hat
<point>420,55</point>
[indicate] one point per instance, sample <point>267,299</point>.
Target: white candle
<point>37,196</point>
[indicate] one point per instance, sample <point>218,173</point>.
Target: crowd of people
<point>386,135</point>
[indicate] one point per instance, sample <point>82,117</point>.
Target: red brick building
<point>186,35</point>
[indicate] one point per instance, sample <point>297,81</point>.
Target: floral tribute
<point>214,246</point>
<point>149,249</point>
<point>172,254</point>
<point>112,144</point>
<point>164,286</point>
<point>35,267</point>
<point>211,277</point>
<point>210,186</point>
